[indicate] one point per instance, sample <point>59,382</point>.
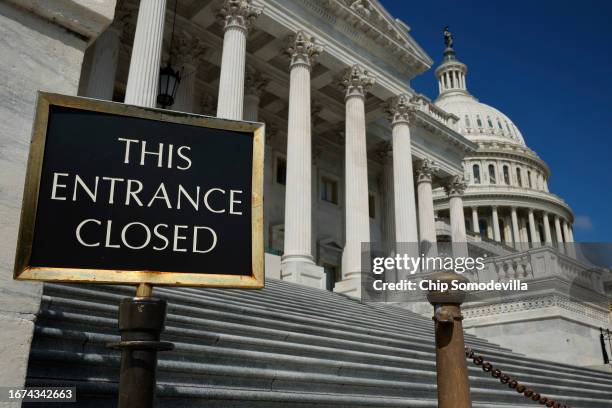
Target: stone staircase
<point>283,346</point>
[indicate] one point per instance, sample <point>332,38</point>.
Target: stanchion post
<point>141,321</point>
<point>451,367</point>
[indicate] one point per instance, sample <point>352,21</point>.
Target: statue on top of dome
<point>448,38</point>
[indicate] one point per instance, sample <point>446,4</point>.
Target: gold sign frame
<point>22,269</point>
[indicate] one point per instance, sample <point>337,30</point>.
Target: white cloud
<point>583,222</point>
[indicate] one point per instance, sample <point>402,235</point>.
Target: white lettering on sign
<point>137,235</point>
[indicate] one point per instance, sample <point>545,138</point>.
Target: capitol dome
<point>479,121</point>
<point>506,199</point>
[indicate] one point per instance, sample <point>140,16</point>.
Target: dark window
<point>492,177</point>
<point>329,190</point>
<point>528,179</point>
<point>489,122</point>
<point>506,175</point>
<point>478,121</point>
<point>476,171</point>
<point>518,177</point>
<point>281,170</point>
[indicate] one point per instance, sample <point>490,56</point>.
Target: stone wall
<point>39,52</point>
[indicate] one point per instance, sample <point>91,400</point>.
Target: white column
<point>356,80</point>
<point>254,86</point>
<point>532,229</point>
<point>455,189</point>
<point>143,75</point>
<point>298,204</point>
<point>186,53</point>
<point>569,243</point>
<point>515,228</point>
<point>547,234</point>
<point>238,17</point>
<point>103,65</point>
<point>566,234</point>
<point>475,223</point>
<point>524,234</point>
<point>560,242</point>
<point>496,233</point>
<point>507,233</point>
<point>103,56</point>
<point>401,111</point>
<point>388,213</point>
<point>427,222</point>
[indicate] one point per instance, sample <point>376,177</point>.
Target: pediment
<point>370,17</point>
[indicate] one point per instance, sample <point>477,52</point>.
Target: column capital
<point>302,49</point>
<point>426,171</point>
<point>357,81</point>
<point>401,109</point>
<point>456,186</point>
<point>254,81</point>
<point>239,14</point>
<point>187,50</point>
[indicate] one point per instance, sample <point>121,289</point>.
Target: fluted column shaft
<point>356,80</point>
<point>558,231</point>
<point>405,206</point>
<point>103,65</point>
<point>231,81</point>
<point>238,17</point>
<point>401,111</point>
<point>547,234</point>
<point>515,227</point>
<point>299,157</point>
<point>455,189</point>
<point>475,223</point>
<point>298,200</point>
<point>251,107</point>
<point>496,232</point>
<point>532,229</point>
<point>388,222</point>
<point>255,83</point>
<point>566,233</point>
<point>184,100</point>
<point>143,75</point>
<point>427,221</point>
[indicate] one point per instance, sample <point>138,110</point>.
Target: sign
<point>123,194</point>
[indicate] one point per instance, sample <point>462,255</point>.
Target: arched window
<point>506,175</point>
<point>467,121</point>
<point>518,177</point>
<point>476,171</point>
<point>499,125</point>
<point>478,121</point>
<point>529,179</point>
<point>489,122</point>
<point>492,178</point>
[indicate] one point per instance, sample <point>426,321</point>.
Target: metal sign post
<point>129,195</point>
<point>141,321</point>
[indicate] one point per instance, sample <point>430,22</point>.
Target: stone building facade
<point>353,153</point>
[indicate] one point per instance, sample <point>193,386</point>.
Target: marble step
<point>286,345</point>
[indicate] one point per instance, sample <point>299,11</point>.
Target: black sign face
<point>128,193</point>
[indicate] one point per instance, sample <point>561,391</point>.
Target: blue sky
<point>548,66</point>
